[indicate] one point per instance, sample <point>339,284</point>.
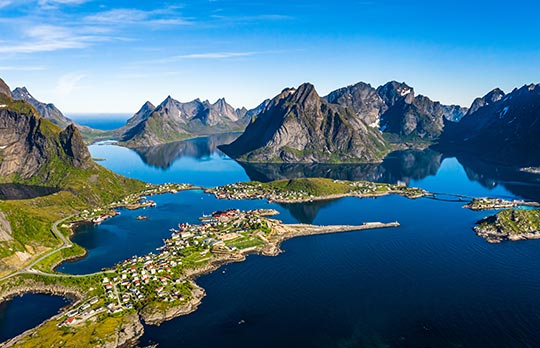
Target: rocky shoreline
<point>494,235</point>
<point>39,288</point>
<point>131,327</point>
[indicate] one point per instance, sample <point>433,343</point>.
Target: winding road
<point>66,243</point>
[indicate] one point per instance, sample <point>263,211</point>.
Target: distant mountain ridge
<point>500,127</point>
<point>394,108</point>
<point>173,120</point>
<point>299,126</point>
<point>48,111</point>
<point>52,113</point>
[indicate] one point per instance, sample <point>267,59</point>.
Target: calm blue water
<point>100,121</point>
<point>429,283</point>
<point>27,311</point>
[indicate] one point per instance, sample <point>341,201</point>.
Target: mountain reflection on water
<point>490,175</point>
<point>163,156</point>
<point>399,167</point>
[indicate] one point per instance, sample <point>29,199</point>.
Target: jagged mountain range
<point>395,109</point>
<point>50,112</point>
<point>392,109</point>
<point>299,126</point>
<point>500,127</point>
<point>173,120</point>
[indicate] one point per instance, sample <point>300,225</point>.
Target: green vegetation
<point>48,264</point>
<point>511,223</point>
<point>31,219</point>
<point>81,184</point>
<point>297,190</point>
<point>18,106</point>
<point>94,334</point>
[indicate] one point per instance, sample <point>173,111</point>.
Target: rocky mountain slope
<point>501,128</point>
<point>299,126</point>
<point>395,109</point>
<point>48,111</point>
<point>173,120</point>
<point>47,174</point>
<point>30,146</point>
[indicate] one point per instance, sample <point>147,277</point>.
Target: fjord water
<point>27,311</point>
<point>429,283</point>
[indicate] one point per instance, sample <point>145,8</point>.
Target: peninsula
<point>155,287</point>
<point>311,189</point>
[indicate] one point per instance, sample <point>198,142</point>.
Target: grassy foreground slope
<point>59,160</point>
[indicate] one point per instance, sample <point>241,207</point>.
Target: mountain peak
<point>48,111</point>
<point>148,105</point>
<point>146,109</point>
<point>394,91</point>
<point>298,126</point>
<point>305,93</point>
<point>492,97</point>
<point>495,95</point>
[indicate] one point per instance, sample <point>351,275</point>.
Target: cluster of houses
<point>84,312</point>
<point>257,191</point>
<point>498,203</point>
<point>159,277</point>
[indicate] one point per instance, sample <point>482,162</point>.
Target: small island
<point>512,225</point>
<point>311,189</point>
<point>158,286</point>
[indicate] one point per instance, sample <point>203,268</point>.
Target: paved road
<point>66,243</point>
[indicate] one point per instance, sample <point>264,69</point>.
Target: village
<point>302,190</point>
<point>160,277</point>
<point>498,203</point>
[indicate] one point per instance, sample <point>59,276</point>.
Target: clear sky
<point>112,56</point>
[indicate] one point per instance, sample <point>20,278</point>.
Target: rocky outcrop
<point>129,332</point>
<point>157,316</point>
<point>413,117</point>
<point>5,229</point>
<point>31,147</point>
<point>53,114</point>
<point>74,147</point>
<point>363,99</point>
<point>29,143</point>
<point>504,129</point>
<point>297,126</point>
<point>247,115</point>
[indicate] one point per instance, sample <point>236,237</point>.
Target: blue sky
<point>112,56</point>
